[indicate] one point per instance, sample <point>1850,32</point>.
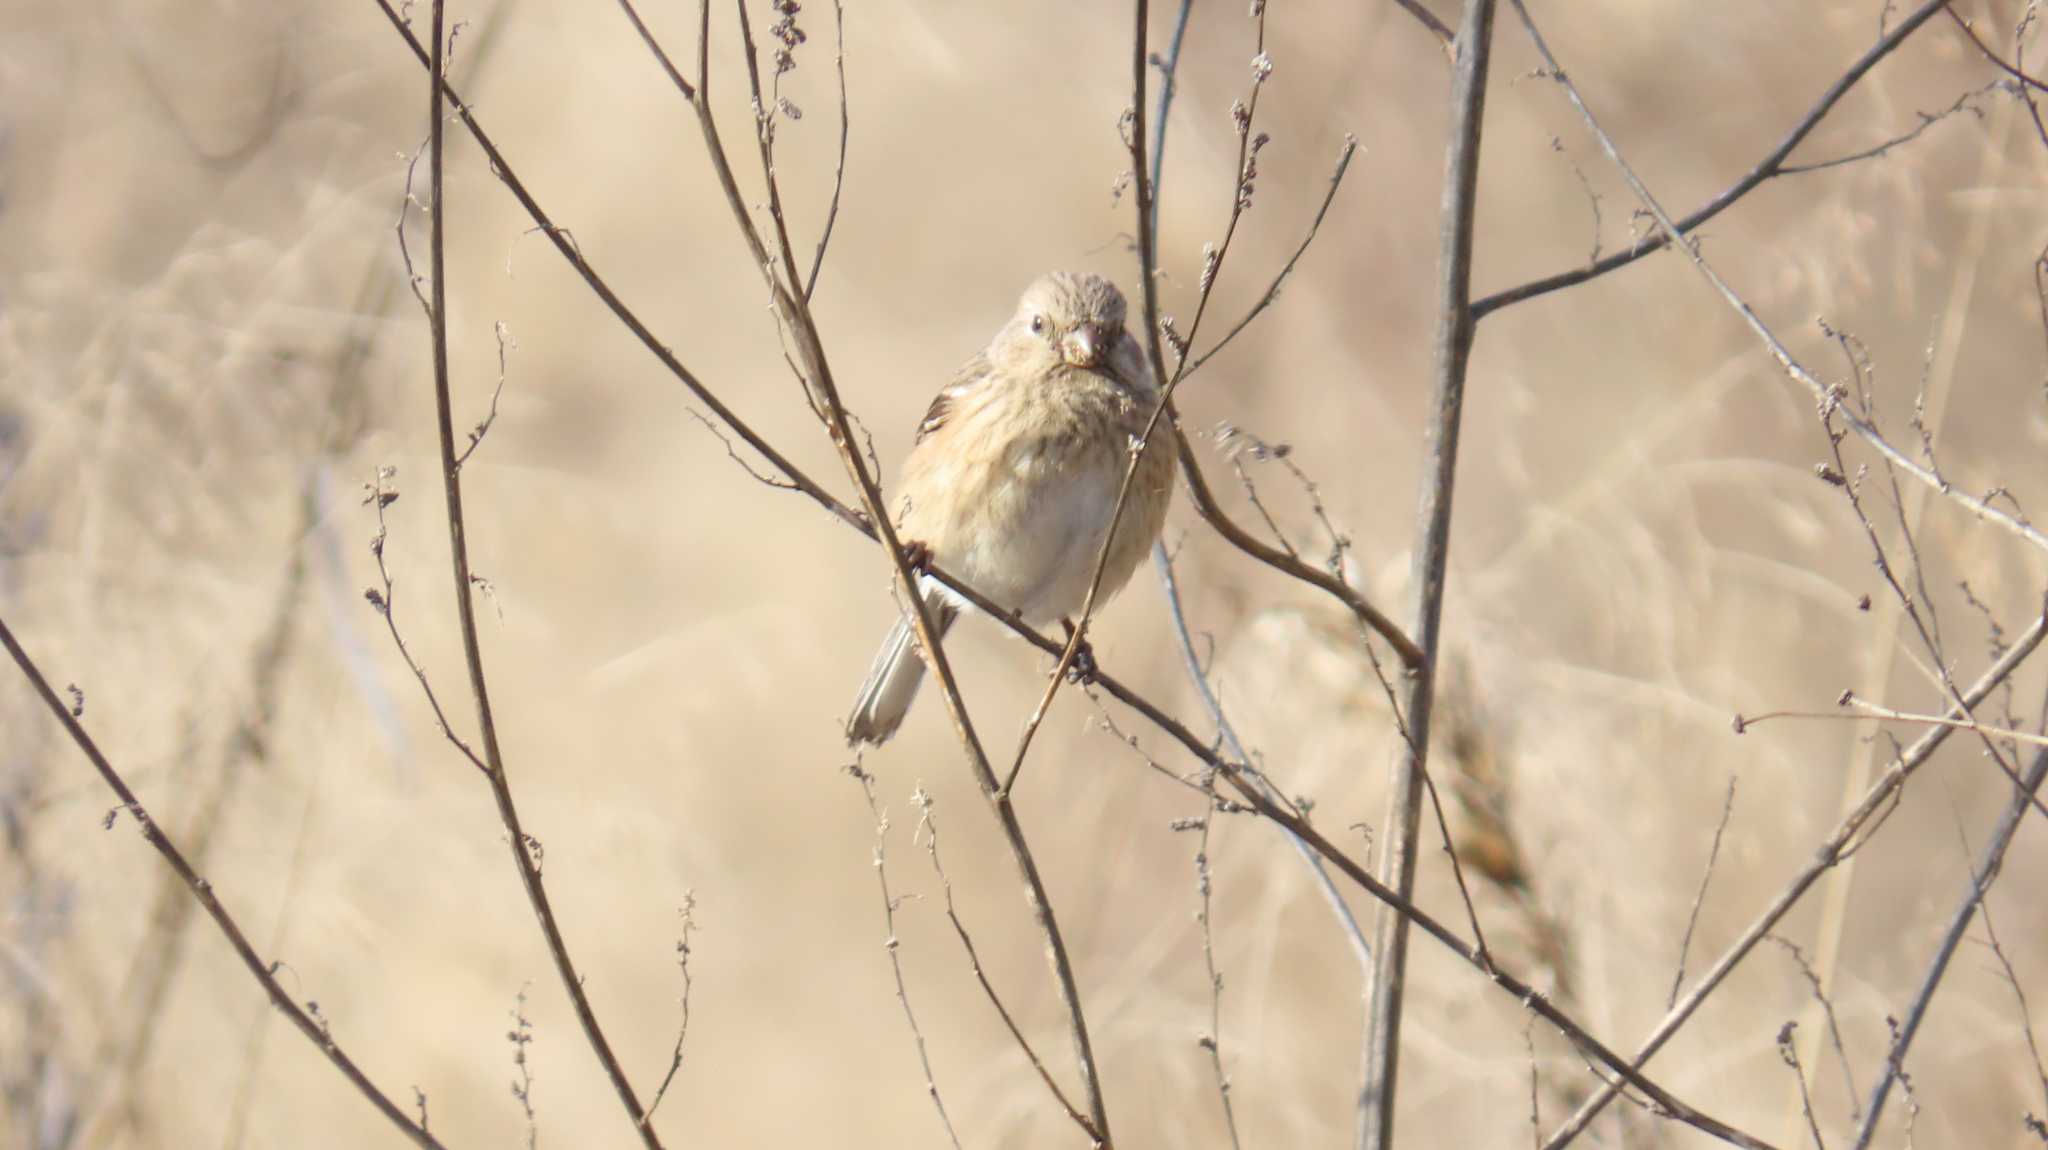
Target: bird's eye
<point>1037,325</point>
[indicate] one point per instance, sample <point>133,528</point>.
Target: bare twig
<point>1967,102</point>
<point>1212,1040</point>
<point>890,902</point>
<point>1339,909</point>
<point>1981,878</point>
<point>1428,571</point>
<point>928,829</point>
<point>379,494</point>
<point>483,427</point>
<point>1272,291</point>
<point>675,1063</point>
<point>1770,167</point>
<point>839,169</point>
<point>1982,508</point>
<point>1827,1009</point>
<point>524,860</point>
<point>1699,899</point>
<point>265,974</point>
<point>2023,1015</point>
<point>1428,19</point>
<point>520,1037</point>
<point>1788,1051</point>
<point>2027,84</point>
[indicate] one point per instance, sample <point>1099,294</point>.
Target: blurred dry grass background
<point>206,347</point>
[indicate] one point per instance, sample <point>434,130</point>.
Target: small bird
<point>1015,473</point>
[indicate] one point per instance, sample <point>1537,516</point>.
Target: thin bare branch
<point>1982,508</point>
<point>890,901</point>
<point>1692,920</point>
<point>1272,291</point>
<point>1212,1040</point>
<point>1967,102</point>
<point>1827,1009</point>
<point>928,830</point>
<point>688,925</point>
<point>315,1030</point>
<point>1768,168</point>
<point>838,169</point>
<point>1981,878</point>
<point>1227,734</point>
<point>1788,1051</point>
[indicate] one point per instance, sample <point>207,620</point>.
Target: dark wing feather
<point>970,376</point>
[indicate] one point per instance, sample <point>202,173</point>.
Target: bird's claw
<point>1081,671</point>
<point>917,555</point>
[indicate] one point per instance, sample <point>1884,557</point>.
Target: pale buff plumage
<point>1015,475</point>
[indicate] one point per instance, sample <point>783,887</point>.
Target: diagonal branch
<point>315,1031</point>
<point>1766,169</point>
<point>1981,879</point>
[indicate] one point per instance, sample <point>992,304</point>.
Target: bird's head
<point>1068,319</point>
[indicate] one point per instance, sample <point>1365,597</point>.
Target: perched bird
<point>1015,474</point>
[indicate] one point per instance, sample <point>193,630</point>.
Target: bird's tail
<point>893,680</point>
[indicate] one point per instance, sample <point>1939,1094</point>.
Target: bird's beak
<point>1083,347</point>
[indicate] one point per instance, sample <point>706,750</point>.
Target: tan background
<point>206,348</point>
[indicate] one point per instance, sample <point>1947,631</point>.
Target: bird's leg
<point>1082,670</point>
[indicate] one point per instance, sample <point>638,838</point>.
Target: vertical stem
<point>1432,552</point>
<point>458,554</point>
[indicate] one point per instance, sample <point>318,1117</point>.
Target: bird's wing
<point>970,376</point>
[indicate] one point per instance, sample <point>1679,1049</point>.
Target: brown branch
<point>928,827</point>
<point>1428,19</point>
<point>265,973</point>
<point>1428,573</point>
<point>890,901</point>
<point>458,552</point>
<point>1768,168</point>
<point>839,169</point>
